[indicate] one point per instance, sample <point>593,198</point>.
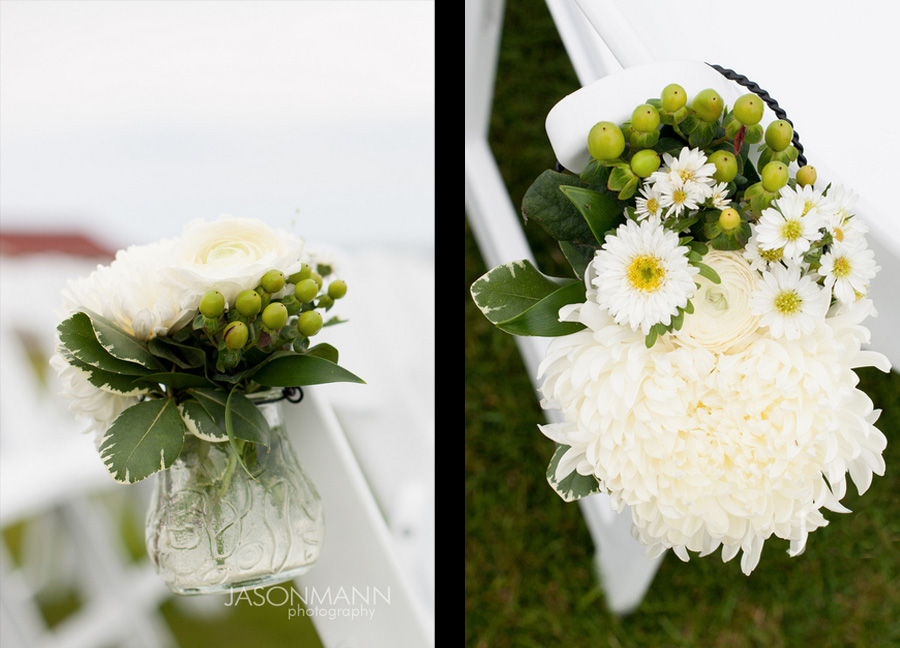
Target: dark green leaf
<point>144,439</point>
<point>578,255</point>
<point>545,204</point>
<point>600,211</point>
<point>177,379</point>
<point>543,318</point>
<point>324,351</point>
<point>302,370</point>
<point>182,355</point>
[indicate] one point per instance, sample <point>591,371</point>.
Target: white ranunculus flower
<point>231,255</point>
<point>722,321</point>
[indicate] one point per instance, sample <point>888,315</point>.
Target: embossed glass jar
<point>212,527</point>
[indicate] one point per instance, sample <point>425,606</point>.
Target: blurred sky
<point>130,118</point>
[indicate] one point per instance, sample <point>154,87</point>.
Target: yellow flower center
<point>788,302</point>
<point>791,230</point>
<point>771,255</point>
<point>678,196</point>
<point>807,205</point>
<point>838,234</point>
<point>841,267</point>
<point>646,273</point>
<point>652,205</point>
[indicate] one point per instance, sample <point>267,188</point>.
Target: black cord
<point>753,87</point>
<point>290,394</point>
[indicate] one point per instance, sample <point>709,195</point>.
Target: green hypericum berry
<point>774,176</point>
<point>235,335</point>
<point>806,175</point>
<point>748,109</point>
<point>212,304</point>
<point>708,105</point>
<point>606,141</point>
<point>315,276</point>
<point>272,281</point>
<point>301,274</point>
<point>338,288</point>
<point>306,290</point>
<point>778,135</point>
<point>325,302</point>
<point>275,316</point>
<point>248,303</point>
<point>673,97</point>
<point>726,166</point>
<point>729,219</point>
<point>643,163</point>
<point>309,323</point>
<point>645,118</point>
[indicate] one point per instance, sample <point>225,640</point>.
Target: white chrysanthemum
<point>848,269</point>
<point>788,228</point>
<point>641,275</point>
<point>712,449</point>
<point>789,302</point>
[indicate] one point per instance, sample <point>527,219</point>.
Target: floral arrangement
<point>704,351</point>
<point>171,337</point>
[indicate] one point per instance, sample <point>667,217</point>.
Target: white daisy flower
<point>759,258</point>
<point>789,227</point>
<point>789,303</point>
<point>641,275</point>
<point>648,203</point>
<point>719,196</point>
<point>690,166</point>
<point>677,196</point>
<point>803,200</point>
<point>848,269</point>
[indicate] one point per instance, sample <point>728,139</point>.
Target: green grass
<point>529,578</point>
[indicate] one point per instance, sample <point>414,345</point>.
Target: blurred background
<point>530,577</point>
<point>122,121</point>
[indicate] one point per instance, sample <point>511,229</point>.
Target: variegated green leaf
<point>574,486</point>
<point>144,439</point>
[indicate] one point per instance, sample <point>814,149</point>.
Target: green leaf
<point>249,424</point>
<point>324,351</point>
<point>578,255</point>
<point>543,318</point>
<point>178,379</point>
<point>574,486</point>
<point>182,355</point>
<point>600,211</point>
<point>121,384</point>
<point>620,177</point>
<point>545,204</point>
<point>200,422</point>
<point>508,290</point>
<point>650,339</point>
<point>301,370</point>
<point>709,273</point>
<point>144,439</point>
<point>77,335</point>
<point>120,344</point>
<point>595,173</point>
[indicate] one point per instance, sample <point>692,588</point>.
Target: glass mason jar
<point>212,528</point>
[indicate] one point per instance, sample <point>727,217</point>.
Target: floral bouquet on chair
<point>174,353</point>
<point>705,348</point>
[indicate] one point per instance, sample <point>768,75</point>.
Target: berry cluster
<point>280,311</point>
<point>626,156</point>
